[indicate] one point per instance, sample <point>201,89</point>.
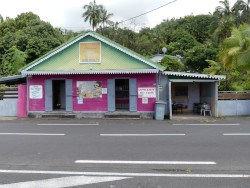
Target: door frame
<point>51,98</point>
<point>64,91</point>
<point>122,78</point>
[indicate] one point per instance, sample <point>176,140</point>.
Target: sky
<point>67,14</point>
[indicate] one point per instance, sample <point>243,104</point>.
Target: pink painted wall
<point>22,101</point>
<point>97,104</point>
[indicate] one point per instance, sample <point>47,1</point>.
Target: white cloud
<point>68,14</point>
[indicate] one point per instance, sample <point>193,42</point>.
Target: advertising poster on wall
<point>147,92</point>
<point>90,52</point>
<point>89,89</point>
<point>36,92</point>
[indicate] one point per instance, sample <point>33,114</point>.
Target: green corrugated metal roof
<point>112,58</point>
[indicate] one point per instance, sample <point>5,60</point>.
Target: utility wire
<point>147,12</point>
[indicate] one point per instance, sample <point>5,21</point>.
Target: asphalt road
<point>125,153</point>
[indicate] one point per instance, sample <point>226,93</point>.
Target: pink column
<point>22,101</point>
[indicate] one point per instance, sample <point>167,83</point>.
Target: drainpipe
<point>27,93</point>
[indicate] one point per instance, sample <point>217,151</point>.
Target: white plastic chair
<point>206,108</point>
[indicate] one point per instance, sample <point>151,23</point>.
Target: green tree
<point>246,11</point>
<point>224,28</point>
<point>236,80</point>
<point>172,64</point>
<point>198,26</point>
<point>1,19</point>
<point>29,35</point>
<point>92,14</point>
<point>234,60</point>
<point>195,58</point>
<point>241,12</point>
<point>181,42</point>
<point>13,60</point>
<point>235,50</point>
<point>225,9</point>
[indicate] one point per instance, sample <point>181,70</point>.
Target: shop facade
<point>91,74</point>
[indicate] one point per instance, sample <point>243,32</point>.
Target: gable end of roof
<point>99,37</point>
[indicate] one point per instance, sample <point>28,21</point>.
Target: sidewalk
<point>8,118</point>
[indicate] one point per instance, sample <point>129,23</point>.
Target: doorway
<point>59,102</point>
<point>122,94</point>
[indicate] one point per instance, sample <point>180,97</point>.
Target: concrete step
<point>58,115</point>
<point>122,116</point>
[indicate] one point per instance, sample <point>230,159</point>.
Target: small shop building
<point>91,75</point>
<point>189,91</point>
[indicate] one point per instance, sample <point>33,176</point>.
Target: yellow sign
<point>90,52</point>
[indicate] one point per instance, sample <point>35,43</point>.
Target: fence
<point>234,95</point>
<point>233,103</point>
<point>8,101</point>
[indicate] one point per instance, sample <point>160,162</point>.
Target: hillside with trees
<point>217,43</point>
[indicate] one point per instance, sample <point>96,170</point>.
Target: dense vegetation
<point>217,43</point>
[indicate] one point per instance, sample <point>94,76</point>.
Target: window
<point>181,90</point>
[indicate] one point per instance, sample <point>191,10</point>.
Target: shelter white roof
<point>196,75</point>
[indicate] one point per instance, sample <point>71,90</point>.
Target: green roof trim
<point>113,57</point>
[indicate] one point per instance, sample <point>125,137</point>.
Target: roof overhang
<point>138,71</point>
<point>195,75</point>
<point>191,80</point>
<point>12,80</point>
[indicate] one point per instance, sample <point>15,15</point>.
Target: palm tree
<point>235,50</point>
<point>105,18</point>
<point>245,11</point>
<point>224,28</point>
<point>241,11</point>
<point>1,19</point>
<point>224,10</point>
<point>92,13</point>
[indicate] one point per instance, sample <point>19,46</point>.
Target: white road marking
<point>127,174</point>
<point>236,134</point>
<point>142,134</point>
<point>211,124</point>
<point>63,182</point>
<point>144,162</point>
<point>72,124</point>
<point>32,134</point>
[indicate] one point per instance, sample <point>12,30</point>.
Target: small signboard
<point>160,88</point>
<point>144,100</point>
<point>36,92</point>
<point>90,52</point>
<point>79,100</point>
<point>104,91</point>
<point>146,92</point>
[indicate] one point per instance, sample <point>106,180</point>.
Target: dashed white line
<point>212,124</point>
<point>31,134</point>
<point>127,174</point>
<point>142,134</point>
<point>144,162</point>
<point>72,124</point>
<point>236,134</point>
